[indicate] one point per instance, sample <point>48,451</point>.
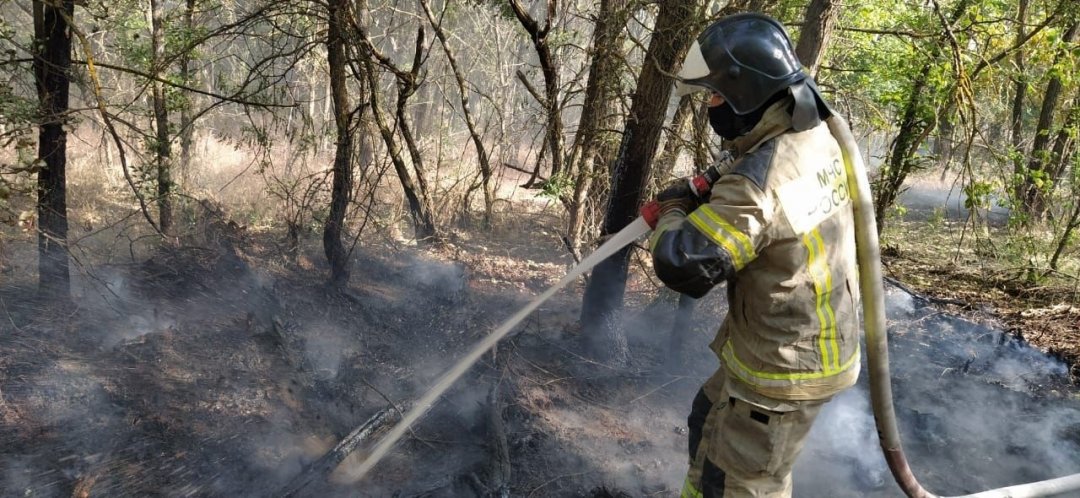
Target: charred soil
<point>221,369</point>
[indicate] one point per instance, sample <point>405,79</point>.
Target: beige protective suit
<point>779,229</point>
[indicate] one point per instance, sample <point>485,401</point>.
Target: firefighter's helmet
<point>747,59</point>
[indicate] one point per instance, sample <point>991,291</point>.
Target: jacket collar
<point>775,121</point>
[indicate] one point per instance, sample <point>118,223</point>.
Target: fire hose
<point>877,344</point>
<point>873,305</point>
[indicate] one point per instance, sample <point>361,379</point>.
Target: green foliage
<point>131,34</point>
<point>17,119</point>
<point>937,218</point>
<point>898,211</point>
<point>978,194</point>
<point>557,187</point>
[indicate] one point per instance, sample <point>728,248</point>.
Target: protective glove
<point>679,196</point>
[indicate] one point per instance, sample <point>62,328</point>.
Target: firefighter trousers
<point>740,448</point>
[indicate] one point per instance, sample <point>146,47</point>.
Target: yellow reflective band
<point>704,227</point>
<point>741,238</point>
<point>814,258</point>
<point>813,269</point>
<point>721,232</point>
<point>755,377</point>
<point>689,491</point>
<point>828,300</point>
<point>663,226</point>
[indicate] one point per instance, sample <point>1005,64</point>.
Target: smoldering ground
<point>978,409</point>
<point>241,379</point>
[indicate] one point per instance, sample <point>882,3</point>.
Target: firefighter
<point>778,228</point>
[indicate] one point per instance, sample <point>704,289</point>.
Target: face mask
<point>729,125</point>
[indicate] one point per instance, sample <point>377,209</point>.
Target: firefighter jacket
<point>779,229</point>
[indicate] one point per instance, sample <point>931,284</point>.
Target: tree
<point>187,77</point>
<point>684,114</point>
<point>467,113</point>
<point>598,116</point>
<point>416,193</point>
<point>1036,180</point>
<point>918,118</point>
<point>817,26</point>
<point>342,183</point>
<point>162,143</point>
<point>52,78</point>
<point>1020,84</point>
<point>1066,168</point>
<point>676,24</point>
<point>538,34</point>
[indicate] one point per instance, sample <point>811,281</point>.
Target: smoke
<point>17,475</point>
<point>976,408</point>
<point>841,454</point>
<point>282,450</point>
<point>136,326</point>
<point>436,277</point>
<point>926,198</point>
<point>324,348</point>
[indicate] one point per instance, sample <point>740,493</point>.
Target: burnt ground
<point>225,372</point>
<point>994,272</point>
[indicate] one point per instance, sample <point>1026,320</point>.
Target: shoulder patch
<point>755,166</point>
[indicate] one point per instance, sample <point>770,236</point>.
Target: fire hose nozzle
<point>650,211</point>
<point>700,186</point>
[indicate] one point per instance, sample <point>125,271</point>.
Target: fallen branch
<point>541,179</point>
<point>321,468</point>
<point>499,472</point>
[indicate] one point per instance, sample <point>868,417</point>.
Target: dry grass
<point>998,282</point>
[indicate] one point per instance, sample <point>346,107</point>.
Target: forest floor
<point>225,368</point>
<point>984,273</point>
<point>1044,312</point>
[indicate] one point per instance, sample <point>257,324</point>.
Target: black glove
<point>679,196</point>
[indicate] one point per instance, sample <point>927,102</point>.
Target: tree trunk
<point>1034,196</point>
<point>1019,92</point>
<point>52,63</point>
<point>425,218</point>
<point>1066,236</point>
<point>407,83</point>
<point>538,35</point>
<point>913,125</point>
<point>814,36</point>
<point>1065,141</point>
<point>684,113</point>
<point>676,24</point>
<point>187,76</point>
<point>342,183</point>
<point>701,130</point>
<point>162,149</point>
<point>423,225</point>
<point>597,113</point>
<point>481,151</point>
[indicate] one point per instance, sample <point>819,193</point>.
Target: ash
<point>225,376</point>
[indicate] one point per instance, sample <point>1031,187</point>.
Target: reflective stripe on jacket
<point>779,229</point>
